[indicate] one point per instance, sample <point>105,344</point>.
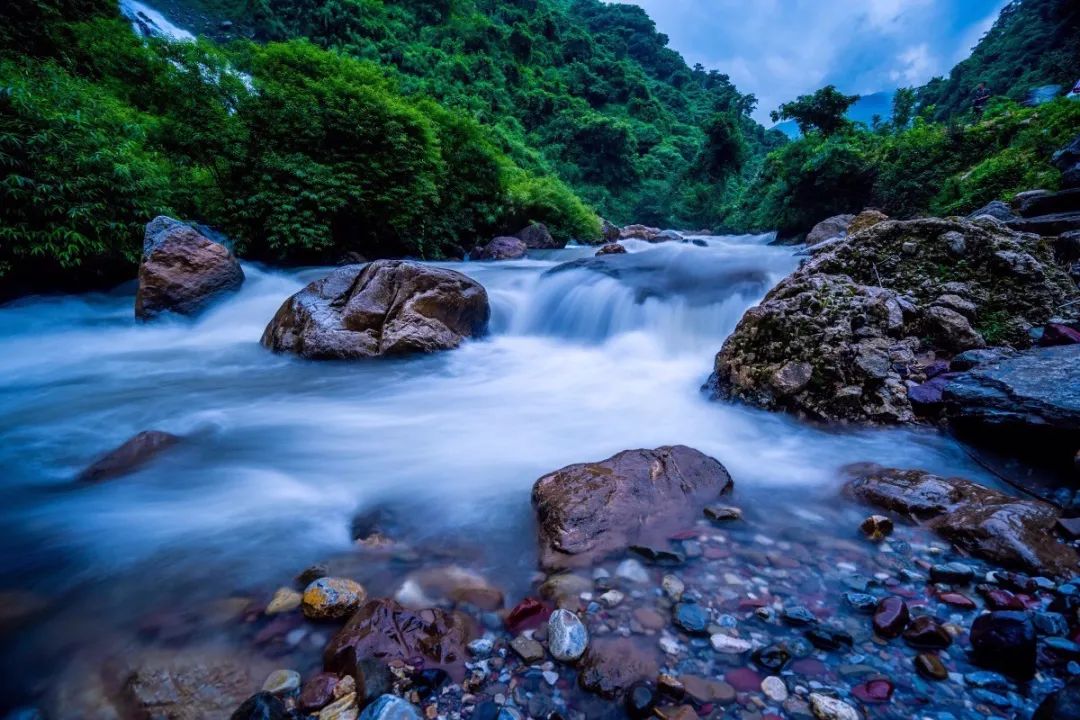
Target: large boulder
<point>382,630</point>
<point>588,511</point>
<point>133,454</point>
<point>1030,401</point>
<point>182,271</point>
<point>609,232</point>
<point>829,228</point>
<point>846,336</point>
<point>390,307</point>
<point>501,248</point>
<point>537,237</point>
<point>1013,533</point>
<point>639,232</point>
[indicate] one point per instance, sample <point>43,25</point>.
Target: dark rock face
<point>390,307</point>
<point>610,667</point>
<point>1010,532</point>
<point>502,248</point>
<point>609,232</point>
<point>382,630</point>
<point>588,511</point>
<point>839,339</point>
<point>1062,705</point>
<point>262,706</point>
<point>995,209</point>
<point>1004,641</point>
<point>1067,160</point>
<point>182,271</point>
<point>537,237</point>
<point>829,228</point>
<point>1030,401</point>
<point>129,457</point>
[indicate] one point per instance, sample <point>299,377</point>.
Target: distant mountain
<point>879,103</point>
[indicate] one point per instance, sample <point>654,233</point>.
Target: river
<point>279,454</point>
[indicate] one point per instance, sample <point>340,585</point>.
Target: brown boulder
<point>866,219</point>
<point>537,237</point>
<point>501,248</point>
<point>611,249</point>
<point>588,511</point>
<point>130,456</point>
<point>383,630</point>
<point>609,231</point>
<point>610,666</point>
<point>182,271</point>
<point>639,232</point>
<point>1014,533</point>
<point>390,307</point>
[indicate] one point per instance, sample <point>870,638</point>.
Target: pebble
<point>673,587</point>
<point>345,709</point>
<point>829,638</point>
<point>876,527</point>
<point>1004,641</point>
<point>567,636</point>
<point>481,647</point>
<point>282,682</point>
<point>861,602</point>
<point>774,689</point>
<point>930,667</point>
<point>640,701</point>
<point>798,616</point>
<point>730,645</point>
<point>284,600</point>
<point>891,617</point>
<point>772,658</point>
<point>723,513</point>
<point>691,617</point>
<point>331,598</point>
<point>389,707</point>
<point>954,573</point>
<point>612,598</point>
<point>527,649</point>
<point>830,708</point>
<point>632,570</point>
<point>925,633</point>
<point>670,645</point>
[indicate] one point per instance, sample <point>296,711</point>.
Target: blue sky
<point>778,49</point>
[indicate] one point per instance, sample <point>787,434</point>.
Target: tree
<point>823,111</point>
<point>903,107</point>
<point>725,149</point>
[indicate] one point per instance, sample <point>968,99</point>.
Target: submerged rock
<point>840,339</point>
<point>382,630</point>
<point>567,636</point>
<point>261,706</point>
<point>331,598</point>
<point>391,707</point>
<point>1004,641</point>
<point>390,307</point>
<point>182,271</point>
<point>424,588</point>
<point>1002,529</point>
<point>588,511</point>
<point>611,249</point>
<point>610,667</point>
<point>133,454</point>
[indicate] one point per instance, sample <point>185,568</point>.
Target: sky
<point>779,49</point>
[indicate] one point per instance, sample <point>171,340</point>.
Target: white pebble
<point>774,689</point>
<point>729,645</point>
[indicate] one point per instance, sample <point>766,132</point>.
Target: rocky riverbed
<point>544,519</point>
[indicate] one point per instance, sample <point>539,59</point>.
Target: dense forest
<point>312,129</point>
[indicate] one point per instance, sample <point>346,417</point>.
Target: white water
<point>148,22</point>
<point>281,452</point>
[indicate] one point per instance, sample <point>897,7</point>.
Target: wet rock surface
<point>1012,532</point>
<point>846,337</point>
<point>537,236</point>
<point>133,454</point>
<point>182,271</point>
<point>501,248</point>
<point>588,511</point>
<point>389,307</point>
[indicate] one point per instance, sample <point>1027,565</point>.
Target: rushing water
<point>280,453</point>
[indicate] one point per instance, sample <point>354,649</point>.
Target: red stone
<point>527,614</point>
<point>751,603</point>
<point>685,535</point>
<point>957,600</point>
<point>998,599</point>
<point>743,679</point>
<point>874,691</point>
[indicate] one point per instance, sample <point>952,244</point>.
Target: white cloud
<point>916,65</point>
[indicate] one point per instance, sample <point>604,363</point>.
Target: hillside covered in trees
<point>306,130</point>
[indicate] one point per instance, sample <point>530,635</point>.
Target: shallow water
<point>281,453</point>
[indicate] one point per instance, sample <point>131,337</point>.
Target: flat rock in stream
<point>1016,534</point>
<point>588,511</point>
<point>389,307</point>
<point>133,454</point>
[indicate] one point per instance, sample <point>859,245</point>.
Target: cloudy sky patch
<point>778,49</point>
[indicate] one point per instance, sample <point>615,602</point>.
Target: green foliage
<point>903,107</point>
<point>823,111</point>
<point>1032,43</point>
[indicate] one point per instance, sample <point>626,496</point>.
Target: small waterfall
<point>148,22</point>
